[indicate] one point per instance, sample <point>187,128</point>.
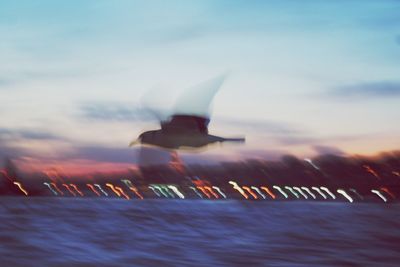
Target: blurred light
<point>250,192</point>
<point>204,191</point>
<point>197,192</point>
<point>51,189</point>
<point>239,189</point>
<point>113,189</point>
<point>266,189</point>
<point>168,192</point>
<point>300,191</point>
<point>311,163</point>
<point>154,191</point>
<point>219,191</point>
<point>211,191</point>
<point>371,171</point>
<point>93,189</point>
<point>176,191</point>
<point>319,191</point>
<point>280,191</point>
<point>76,189</point>
<point>328,192</point>
<point>258,191</point>
<point>69,189</point>
<point>21,188</point>
<point>309,192</point>
<point>161,191</point>
<point>292,191</point>
<point>57,189</point>
<point>379,195</point>
<point>101,189</point>
<point>342,192</point>
<point>356,193</point>
<point>392,195</point>
<point>122,192</point>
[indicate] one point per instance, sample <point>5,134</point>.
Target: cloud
<point>114,112</point>
<point>8,133</point>
<point>378,89</point>
<point>322,150</point>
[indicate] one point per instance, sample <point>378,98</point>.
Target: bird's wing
<point>196,101</point>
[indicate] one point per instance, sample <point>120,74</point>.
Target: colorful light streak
<point>266,189</point>
<point>280,191</point>
<point>69,189</point>
<point>76,189</point>
<point>219,191</point>
<point>93,189</point>
<point>239,189</point>
<point>101,189</point>
<point>18,184</point>
<point>258,191</point>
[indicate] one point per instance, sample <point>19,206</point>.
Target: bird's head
<point>144,138</point>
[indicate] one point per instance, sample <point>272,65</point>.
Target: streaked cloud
<point>365,90</point>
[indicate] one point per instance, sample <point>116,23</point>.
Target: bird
<point>187,127</point>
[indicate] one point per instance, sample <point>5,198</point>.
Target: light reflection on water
<point>116,232</point>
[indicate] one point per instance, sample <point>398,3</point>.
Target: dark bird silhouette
<point>188,126</point>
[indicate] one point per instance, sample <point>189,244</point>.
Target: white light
<point>300,191</point>
<point>280,191</point>
<point>342,192</point>
<point>219,191</point>
<point>292,191</point>
<point>319,191</point>
<point>309,192</point>
<point>259,192</point>
<point>379,195</point>
<point>329,192</point>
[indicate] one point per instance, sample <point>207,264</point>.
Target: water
<point>115,232</point>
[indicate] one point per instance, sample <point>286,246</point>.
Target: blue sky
<point>305,77</point>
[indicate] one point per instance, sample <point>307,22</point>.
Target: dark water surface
<point>114,232</point>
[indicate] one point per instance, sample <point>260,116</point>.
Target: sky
<point>305,77</point>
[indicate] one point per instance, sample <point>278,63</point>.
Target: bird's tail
<point>240,140</point>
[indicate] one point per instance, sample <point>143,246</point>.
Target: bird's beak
<point>134,142</point>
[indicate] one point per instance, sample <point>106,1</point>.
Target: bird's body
<point>183,131</point>
<point>188,127</point>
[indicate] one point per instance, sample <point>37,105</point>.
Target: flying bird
<point>187,127</point>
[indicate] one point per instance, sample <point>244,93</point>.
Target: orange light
<point>57,189</point>
<point>204,191</point>
<point>69,189</point>
<point>371,171</point>
<point>76,189</point>
<point>211,191</point>
<point>250,191</point>
<point>122,192</point>
<point>136,191</point>
<point>93,189</point>
<point>388,192</point>
<point>21,188</point>
<point>113,189</point>
<point>268,192</point>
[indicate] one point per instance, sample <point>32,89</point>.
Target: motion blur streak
<point>385,189</point>
<point>113,189</point>
<point>292,191</point>
<point>69,189</point>
<point>258,191</point>
<point>176,191</point>
<point>122,192</point>
<point>379,195</point>
<point>300,191</point>
<point>204,191</point>
<point>280,191</point>
<point>371,171</point>
<point>250,192</point>
<point>209,189</point>
<point>76,189</point>
<point>266,189</point>
<point>309,192</point>
<point>219,191</point>
<point>101,189</point>
<point>51,189</point>
<point>356,193</point>
<point>54,185</point>
<point>131,187</point>
<point>239,189</point>
<point>343,193</point>
<point>319,192</point>
<point>93,189</point>
<point>161,191</point>
<point>154,191</point>
<point>328,192</point>
<point>197,192</point>
<point>166,189</point>
<point>21,188</point>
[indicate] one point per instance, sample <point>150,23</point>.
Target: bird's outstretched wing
<point>196,101</point>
